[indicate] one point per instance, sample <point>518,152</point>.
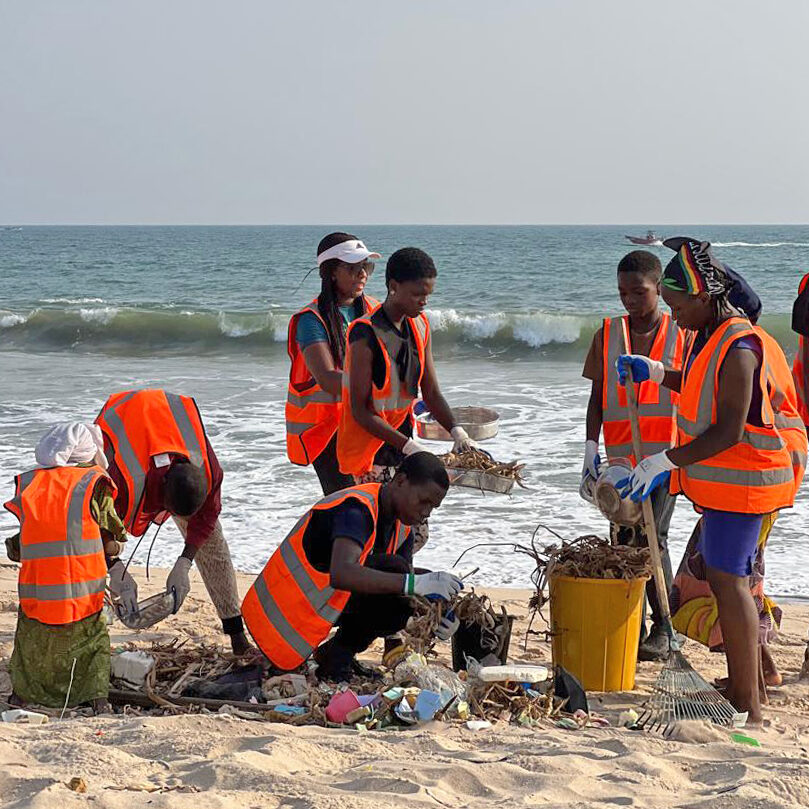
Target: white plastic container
<point>514,673</point>
<point>23,717</point>
<point>132,667</point>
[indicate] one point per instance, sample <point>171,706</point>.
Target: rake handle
<point>649,526</point>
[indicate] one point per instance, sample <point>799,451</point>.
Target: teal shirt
<point>310,330</point>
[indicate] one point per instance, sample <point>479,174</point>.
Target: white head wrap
<point>70,443</point>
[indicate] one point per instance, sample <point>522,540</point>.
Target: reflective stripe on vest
<point>311,413</point>
<point>291,607</point>
<point>141,424</point>
<point>356,448</point>
<point>62,577</point>
<point>656,404</point>
<point>754,476</point>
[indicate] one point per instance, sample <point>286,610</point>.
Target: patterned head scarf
<point>695,269</point>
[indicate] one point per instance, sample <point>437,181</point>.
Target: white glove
<point>179,582</point>
<point>448,626</point>
<point>463,443</point>
<point>650,473</point>
<point>643,368</point>
<point>592,460</point>
<point>124,587</point>
<point>413,445</point>
<point>433,585</point>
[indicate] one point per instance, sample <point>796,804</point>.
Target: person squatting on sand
<point>69,534</point>
<point>348,562</point>
<point>650,332</point>
<point>163,465</point>
<point>732,459</point>
<point>389,359</point>
<point>316,344</point>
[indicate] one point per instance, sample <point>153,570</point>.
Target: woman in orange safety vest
<point>316,342</point>
<point>731,460</point>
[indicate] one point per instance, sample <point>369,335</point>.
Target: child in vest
<point>69,532</point>
<point>652,333</point>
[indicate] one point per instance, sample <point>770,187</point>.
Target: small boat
<point>651,239</point>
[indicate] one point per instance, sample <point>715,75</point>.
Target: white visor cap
<point>352,252</point>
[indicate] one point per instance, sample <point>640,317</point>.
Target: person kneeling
<point>348,563</point>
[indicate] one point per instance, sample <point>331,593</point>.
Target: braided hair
<point>327,302</point>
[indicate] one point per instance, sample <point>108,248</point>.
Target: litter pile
<point>478,470</point>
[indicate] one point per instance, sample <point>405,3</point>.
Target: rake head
<point>681,693</point>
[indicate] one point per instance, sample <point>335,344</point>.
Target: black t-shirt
<point>353,521</point>
<point>407,362</point>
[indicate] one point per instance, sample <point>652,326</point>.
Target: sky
<point>424,111</point>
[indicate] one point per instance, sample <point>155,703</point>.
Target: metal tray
<point>150,611</point>
<point>477,479</point>
<point>479,422</point>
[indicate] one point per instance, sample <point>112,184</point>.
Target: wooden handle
<point>648,512</point>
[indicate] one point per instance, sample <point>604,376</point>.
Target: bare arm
<point>348,573</point>
<point>431,392</point>
<point>320,363</point>
<point>362,400</point>
<point>736,379</point>
<point>594,412</point>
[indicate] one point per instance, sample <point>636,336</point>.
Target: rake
<point>679,692</point>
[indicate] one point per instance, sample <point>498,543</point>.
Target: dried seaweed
<point>479,461</point>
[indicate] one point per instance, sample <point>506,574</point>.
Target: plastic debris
<point>478,724</point>
<point>512,674</point>
<point>341,705</point>
<point>290,710</point>
<point>432,677</point>
<point>628,718</point>
<point>131,667</point>
<point>23,717</point>
<point>427,704</point>
<point>742,738</point>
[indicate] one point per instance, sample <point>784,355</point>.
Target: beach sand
<point>223,762</point>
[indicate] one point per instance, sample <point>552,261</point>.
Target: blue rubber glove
<point>647,476</point>
<point>643,368</point>
<point>592,460</point>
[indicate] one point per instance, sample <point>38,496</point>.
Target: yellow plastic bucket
<point>595,625</point>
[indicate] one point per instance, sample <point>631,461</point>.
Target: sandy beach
<point>224,762</point>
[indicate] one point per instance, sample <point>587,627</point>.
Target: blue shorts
<point>729,540</point>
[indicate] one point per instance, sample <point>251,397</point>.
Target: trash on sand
<point>23,717</point>
<point>431,677</point>
<point>359,714</point>
<point>290,710</point>
<point>284,685</point>
<point>741,738</point>
<point>131,667</point>
<point>513,674</point>
<point>77,784</point>
<point>567,723</point>
<point>341,705</point>
<point>628,718</point>
<point>478,724</point>
<point>427,704</point>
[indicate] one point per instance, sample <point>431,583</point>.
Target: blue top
<point>310,330</point>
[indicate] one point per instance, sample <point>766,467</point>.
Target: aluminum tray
<point>150,611</point>
<point>480,422</point>
<point>477,479</point>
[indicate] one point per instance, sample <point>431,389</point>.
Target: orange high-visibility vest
<point>140,424</point>
<point>784,400</point>
<point>291,607</point>
<point>63,571</point>
<point>754,476</point>
<point>800,367</point>
<point>356,448</point>
<point>656,404</point>
<point>312,414</point>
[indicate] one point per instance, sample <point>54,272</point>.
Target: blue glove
<point>650,473</point>
<point>643,368</point>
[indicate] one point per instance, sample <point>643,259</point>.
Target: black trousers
<point>328,470</point>
<point>663,506</point>
<point>368,617</point>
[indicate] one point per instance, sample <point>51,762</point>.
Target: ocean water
<point>86,311</point>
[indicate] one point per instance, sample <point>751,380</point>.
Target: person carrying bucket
<point>650,332</point>
<point>732,460</point>
<point>316,344</point>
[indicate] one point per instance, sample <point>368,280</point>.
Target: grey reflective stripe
<point>798,458</point>
<point>316,596</point>
<point>298,428</point>
<point>195,450</point>
<point>316,397</point>
<point>396,402</point>
<point>783,422</point>
<point>740,477</point>
<point>62,592</point>
<point>279,621</point>
<point>128,456</point>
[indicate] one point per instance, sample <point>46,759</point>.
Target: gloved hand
<point>463,443</point>
<point>433,585</point>
<point>448,626</point>
<point>592,460</point>
<point>179,582</point>
<point>650,473</point>
<point>643,368</point>
<point>413,445</point>
<point>124,587</point>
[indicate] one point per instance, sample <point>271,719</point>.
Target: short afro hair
<point>409,264</point>
<point>424,467</point>
<point>186,488</point>
<point>642,262</point>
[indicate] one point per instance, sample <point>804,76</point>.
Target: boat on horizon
<point>651,239</point>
